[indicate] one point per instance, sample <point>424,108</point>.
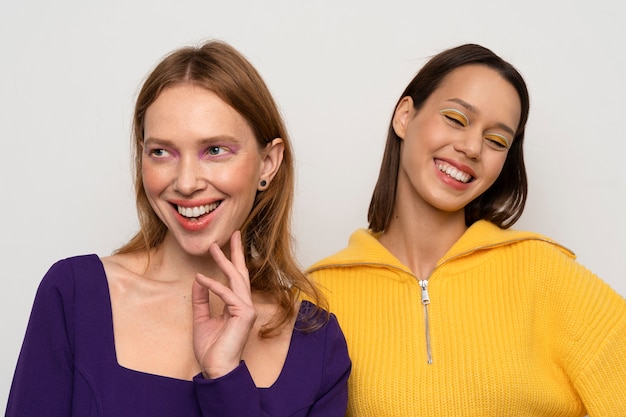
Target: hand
<point>218,341</point>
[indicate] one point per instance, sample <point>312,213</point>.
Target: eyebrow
<point>204,141</point>
<point>474,109</point>
<point>156,141</point>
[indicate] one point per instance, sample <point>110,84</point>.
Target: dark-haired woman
<point>447,311</point>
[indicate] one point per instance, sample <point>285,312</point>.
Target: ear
<point>402,116</point>
<point>272,160</point>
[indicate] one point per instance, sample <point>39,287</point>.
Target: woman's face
<point>202,166</point>
<point>455,146</point>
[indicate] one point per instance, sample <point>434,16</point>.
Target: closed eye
<point>498,141</point>
<point>455,116</point>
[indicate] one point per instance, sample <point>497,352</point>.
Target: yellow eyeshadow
<point>456,115</point>
<point>500,139</point>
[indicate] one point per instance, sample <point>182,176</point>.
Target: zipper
<point>425,302</point>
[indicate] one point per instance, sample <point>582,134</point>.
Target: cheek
<point>426,137</point>
<point>246,184</point>
<point>414,151</point>
<point>153,180</point>
<point>495,164</point>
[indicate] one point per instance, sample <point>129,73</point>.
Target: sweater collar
<point>365,249</point>
<point>484,235</point>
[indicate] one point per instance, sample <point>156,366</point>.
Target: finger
<point>234,306</point>
<point>221,260</point>
<point>238,282</point>
<point>200,301</point>
<point>228,296</point>
<point>237,256</point>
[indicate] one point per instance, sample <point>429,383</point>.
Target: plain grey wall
<point>70,70</point>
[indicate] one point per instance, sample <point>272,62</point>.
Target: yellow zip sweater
<point>515,327</point>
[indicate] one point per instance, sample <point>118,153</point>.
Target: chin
<point>196,251</point>
<point>195,248</point>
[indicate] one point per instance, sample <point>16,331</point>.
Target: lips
<point>453,172</point>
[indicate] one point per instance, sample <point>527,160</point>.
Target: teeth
<point>453,172</point>
<point>197,211</point>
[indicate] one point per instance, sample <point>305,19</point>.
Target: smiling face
<point>202,166</point>
<point>455,145</point>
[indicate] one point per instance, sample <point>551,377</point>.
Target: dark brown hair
<point>504,201</point>
<point>266,233</point>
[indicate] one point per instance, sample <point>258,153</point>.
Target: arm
<point>42,384</point>
<point>231,395</point>
<point>602,383</point>
<point>235,394</point>
<point>333,395</point>
<point>590,338</point>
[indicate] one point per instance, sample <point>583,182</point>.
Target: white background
<point>70,70</point>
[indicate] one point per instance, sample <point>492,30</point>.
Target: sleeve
<point>42,383</point>
<point>232,395</point>
<point>235,394</point>
<point>591,339</point>
<point>333,396</point>
<point>602,382</point>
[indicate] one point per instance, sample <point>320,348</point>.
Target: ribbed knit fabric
<point>517,328</point>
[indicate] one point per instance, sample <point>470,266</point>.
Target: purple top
<point>68,365</point>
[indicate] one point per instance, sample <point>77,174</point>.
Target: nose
<point>471,145</point>
<point>189,177</point>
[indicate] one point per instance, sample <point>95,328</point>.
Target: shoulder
<point>120,269</point>
<point>327,346</point>
<point>74,285</point>
<point>484,235</point>
<point>364,250</point>
<point>534,256</point>
<point>135,262</point>
<point>326,341</point>
<point>314,319</point>
<point>63,273</point>
<point>68,284</point>
<point>356,251</point>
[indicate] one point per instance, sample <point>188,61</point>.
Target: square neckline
<point>304,304</point>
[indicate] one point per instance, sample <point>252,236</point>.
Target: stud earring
<point>263,183</point>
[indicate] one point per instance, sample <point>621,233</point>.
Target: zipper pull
<point>423,283</point>
<point>425,298</point>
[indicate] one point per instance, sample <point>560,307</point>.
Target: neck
<point>170,263</point>
<point>420,238</point>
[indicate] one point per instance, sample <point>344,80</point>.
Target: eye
<point>158,153</point>
<point>216,150</point>
<point>498,141</point>
<point>455,116</point>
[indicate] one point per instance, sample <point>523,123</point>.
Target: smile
<point>195,212</point>
<point>453,172</point>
